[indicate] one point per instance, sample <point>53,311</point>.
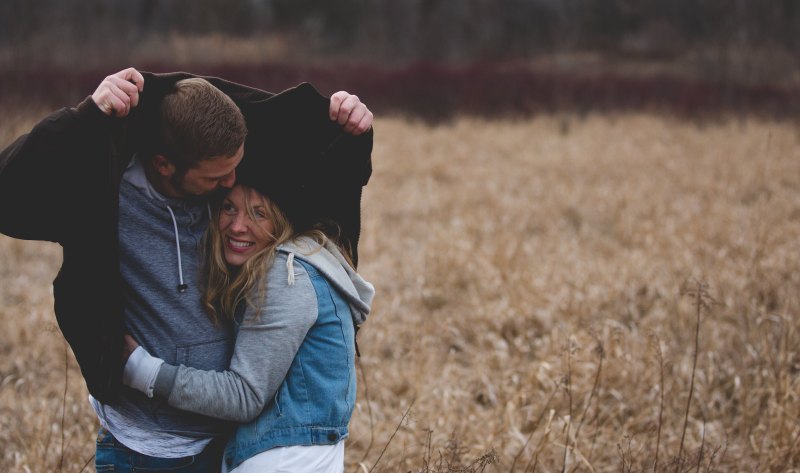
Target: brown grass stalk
<point>702,449</point>
<point>86,464</point>
<point>701,301</point>
<point>595,386</point>
<point>568,385</point>
<point>389,442</point>
<point>369,411</point>
<point>534,461</point>
<point>535,426</point>
<point>426,456</point>
<point>660,358</point>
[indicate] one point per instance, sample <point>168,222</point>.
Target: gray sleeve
<point>265,348</point>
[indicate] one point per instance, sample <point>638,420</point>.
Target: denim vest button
<point>332,436</point>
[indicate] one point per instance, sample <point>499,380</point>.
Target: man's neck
<point>161,184</point>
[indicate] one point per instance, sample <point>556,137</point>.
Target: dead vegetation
<point>533,304</point>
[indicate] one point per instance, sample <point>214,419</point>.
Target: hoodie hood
<point>329,261</point>
<point>135,175</point>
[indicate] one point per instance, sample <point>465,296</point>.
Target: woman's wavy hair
<point>226,286</point>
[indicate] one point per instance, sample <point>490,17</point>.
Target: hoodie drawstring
<point>290,269</point>
<point>181,287</point>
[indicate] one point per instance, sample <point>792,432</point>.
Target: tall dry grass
<point>541,303</point>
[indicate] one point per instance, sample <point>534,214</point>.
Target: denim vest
<point>314,404</point>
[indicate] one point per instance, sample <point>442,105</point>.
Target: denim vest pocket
<point>290,406</point>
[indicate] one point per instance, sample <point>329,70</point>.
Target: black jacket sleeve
<point>41,169</point>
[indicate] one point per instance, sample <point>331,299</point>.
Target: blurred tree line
<point>426,56</point>
<point>409,30</point>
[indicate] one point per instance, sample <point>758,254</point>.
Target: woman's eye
<point>259,213</point>
<point>228,208</point>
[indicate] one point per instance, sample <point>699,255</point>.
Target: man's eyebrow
<point>219,175</point>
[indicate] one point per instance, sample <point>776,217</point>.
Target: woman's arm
<point>265,348</point>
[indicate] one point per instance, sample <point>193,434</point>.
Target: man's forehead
<point>219,165</point>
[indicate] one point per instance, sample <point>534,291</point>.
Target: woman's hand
<point>130,346</point>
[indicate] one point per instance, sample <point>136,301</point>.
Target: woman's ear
<point>163,165</point>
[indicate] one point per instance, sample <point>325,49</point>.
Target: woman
<point>296,302</point>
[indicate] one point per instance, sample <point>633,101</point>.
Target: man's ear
<point>163,166</point>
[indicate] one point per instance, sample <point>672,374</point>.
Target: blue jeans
<point>112,456</point>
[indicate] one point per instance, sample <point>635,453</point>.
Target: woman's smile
<point>239,245</point>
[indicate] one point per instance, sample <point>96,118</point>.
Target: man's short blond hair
<point>198,122</point>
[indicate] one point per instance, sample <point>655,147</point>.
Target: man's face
<point>207,176</point>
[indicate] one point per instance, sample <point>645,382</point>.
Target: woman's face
<point>242,235</point>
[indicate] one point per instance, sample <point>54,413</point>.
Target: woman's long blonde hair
<point>227,287</point>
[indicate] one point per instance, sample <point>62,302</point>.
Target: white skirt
<point>297,459</point>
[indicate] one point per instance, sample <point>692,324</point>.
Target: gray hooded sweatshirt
<point>160,248</point>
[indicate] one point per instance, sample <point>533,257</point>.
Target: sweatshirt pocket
<point>209,355</point>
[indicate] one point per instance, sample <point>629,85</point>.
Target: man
<point>121,183</point>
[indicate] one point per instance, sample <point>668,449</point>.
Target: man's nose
<point>229,180</point>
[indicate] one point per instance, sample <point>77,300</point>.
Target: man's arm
<point>42,169</point>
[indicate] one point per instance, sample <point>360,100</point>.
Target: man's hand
<point>348,111</point>
<point>130,346</point>
<point>119,92</point>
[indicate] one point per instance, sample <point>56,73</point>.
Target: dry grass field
<point>537,303</point>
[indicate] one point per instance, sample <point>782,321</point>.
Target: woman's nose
<point>239,223</point>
